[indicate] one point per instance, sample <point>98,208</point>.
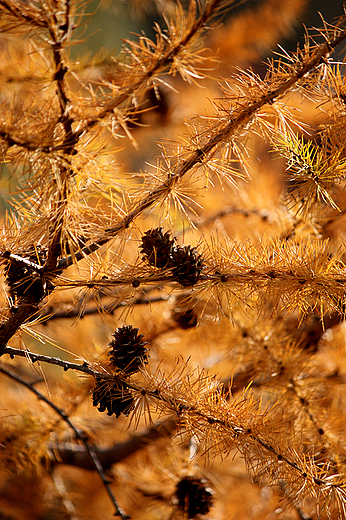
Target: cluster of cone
<point>161,251</point>
<point>127,354</point>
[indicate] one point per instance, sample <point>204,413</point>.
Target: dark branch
<point>76,455</point>
<point>78,433</point>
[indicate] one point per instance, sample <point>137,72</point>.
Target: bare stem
<point>78,433</point>
<point>66,365</point>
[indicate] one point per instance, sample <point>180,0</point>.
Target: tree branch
<point>78,456</point>
<point>49,314</point>
<point>79,435</point>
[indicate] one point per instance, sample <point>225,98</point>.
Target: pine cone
<point>22,279</point>
<point>186,265</point>
<point>193,496</point>
<point>127,351</point>
<point>156,247</point>
<point>112,396</point>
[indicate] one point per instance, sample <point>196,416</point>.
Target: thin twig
<point>66,365</point>
<point>263,214</point>
<point>79,434</point>
<point>49,314</point>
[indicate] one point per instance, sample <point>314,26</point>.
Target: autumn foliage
<point>173,271</point>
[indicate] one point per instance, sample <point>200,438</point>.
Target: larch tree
<point>173,268</point>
